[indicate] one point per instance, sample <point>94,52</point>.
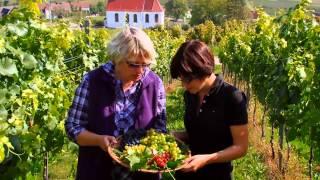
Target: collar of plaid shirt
<point>125,103</point>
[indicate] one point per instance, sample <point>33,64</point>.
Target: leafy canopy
<point>176,8</point>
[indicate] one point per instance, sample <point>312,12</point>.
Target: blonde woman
<point>121,95</point>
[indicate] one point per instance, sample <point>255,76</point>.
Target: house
<point>137,13</point>
<point>5,10</point>
<point>54,10</point>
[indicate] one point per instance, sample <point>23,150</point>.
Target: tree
<point>5,2</point>
<point>217,11</point>
<point>214,10</point>
<point>237,9</point>
<point>93,10</point>
<point>100,7</point>
<point>176,8</point>
<point>206,32</point>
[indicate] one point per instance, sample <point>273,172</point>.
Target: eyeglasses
<point>134,65</point>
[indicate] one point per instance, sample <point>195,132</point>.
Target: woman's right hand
<point>87,138</point>
<point>106,141</point>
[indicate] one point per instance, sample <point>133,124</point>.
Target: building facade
<point>137,13</point>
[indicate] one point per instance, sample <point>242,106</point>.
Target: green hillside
<point>257,3</point>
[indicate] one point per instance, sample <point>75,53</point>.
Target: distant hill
<point>90,1</point>
<point>282,3</point>
<point>257,3</point>
<point>270,3</point>
<point>13,2</point>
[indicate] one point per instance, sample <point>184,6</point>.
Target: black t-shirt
<point>208,124</point>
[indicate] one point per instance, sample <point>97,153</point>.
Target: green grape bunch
<point>156,151</point>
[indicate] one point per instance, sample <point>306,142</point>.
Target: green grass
<point>250,167</point>
<point>175,110</point>
<point>218,69</point>
<point>64,166</point>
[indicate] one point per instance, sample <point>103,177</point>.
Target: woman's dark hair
<point>193,60</point>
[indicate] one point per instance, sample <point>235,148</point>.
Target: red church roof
<point>134,5</point>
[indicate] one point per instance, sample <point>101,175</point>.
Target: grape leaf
<point>3,113</point>
<point>173,164</point>
<point>3,98</point>
<point>8,67</point>
<point>140,165</point>
<point>2,154</point>
<point>19,29</point>
<point>29,62</point>
<point>133,159</point>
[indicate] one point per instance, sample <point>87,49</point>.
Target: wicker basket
<point>114,156</point>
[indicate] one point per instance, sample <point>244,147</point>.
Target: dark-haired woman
<point>215,115</point>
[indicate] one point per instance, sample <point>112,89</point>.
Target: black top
<point>208,124</point>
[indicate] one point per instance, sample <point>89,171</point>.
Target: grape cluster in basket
<point>160,160</point>
<point>150,150</point>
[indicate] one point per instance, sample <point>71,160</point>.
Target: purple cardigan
<point>93,163</point>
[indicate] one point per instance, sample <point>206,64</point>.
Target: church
<point>137,13</point>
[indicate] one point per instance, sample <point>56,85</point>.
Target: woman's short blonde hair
<point>131,42</point>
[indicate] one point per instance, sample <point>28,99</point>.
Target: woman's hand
<point>87,138</point>
<point>238,149</point>
<point>195,162</point>
<point>106,141</point>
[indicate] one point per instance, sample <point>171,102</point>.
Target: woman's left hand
<point>195,162</point>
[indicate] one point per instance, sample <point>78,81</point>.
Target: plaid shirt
<point>125,103</point>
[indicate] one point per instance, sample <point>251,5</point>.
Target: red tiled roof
<point>134,5</point>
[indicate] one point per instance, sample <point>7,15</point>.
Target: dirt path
<point>294,170</point>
